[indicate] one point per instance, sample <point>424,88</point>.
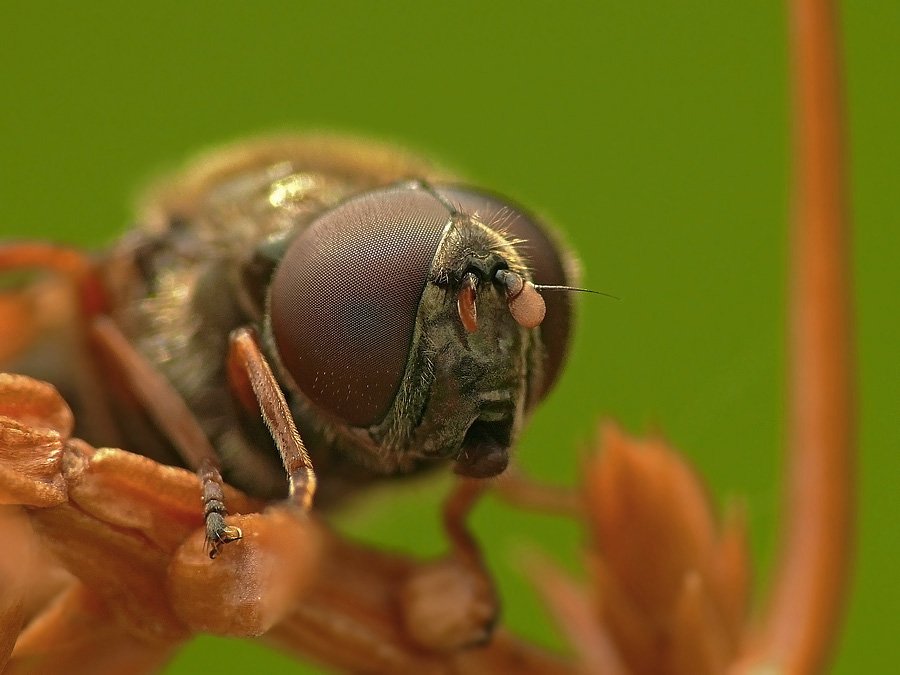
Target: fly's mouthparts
<point>497,416</point>
<point>485,447</point>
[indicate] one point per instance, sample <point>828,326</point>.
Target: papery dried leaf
<point>126,517</point>
<point>131,532</point>
<point>34,404</point>
<point>12,616</point>
<point>124,568</point>
<point>26,563</point>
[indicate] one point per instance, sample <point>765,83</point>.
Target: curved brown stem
<point>804,610</point>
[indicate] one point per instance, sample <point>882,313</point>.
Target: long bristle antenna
<point>548,287</point>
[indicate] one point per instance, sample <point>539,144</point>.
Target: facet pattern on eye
<point>345,298</point>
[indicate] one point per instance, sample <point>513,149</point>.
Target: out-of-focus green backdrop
<point>654,134</point>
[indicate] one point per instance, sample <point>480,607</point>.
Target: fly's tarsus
<point>218,533</point>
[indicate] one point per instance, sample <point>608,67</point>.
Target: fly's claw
<point>218,533</point>
<point>214,512</point>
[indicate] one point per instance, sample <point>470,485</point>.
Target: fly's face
<point>408,327</point>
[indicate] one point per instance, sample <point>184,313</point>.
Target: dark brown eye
<point>345,296</point>
<point>544,258</point>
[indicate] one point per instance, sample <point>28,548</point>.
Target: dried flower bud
<point>671,587</point>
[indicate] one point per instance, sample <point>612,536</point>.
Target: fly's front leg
<point>21,314</point>
<point>214,511</point>
<point>451,604</point>
<point>255,386</point>
<point>524,492</point>
<point>43,320</point>
<point>168,410</point>
<point>69,262</point>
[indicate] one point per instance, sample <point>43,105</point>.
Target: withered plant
<point>105,567</point>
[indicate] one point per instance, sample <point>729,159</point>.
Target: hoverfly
<point>331,309</point>
<point>669,590</point>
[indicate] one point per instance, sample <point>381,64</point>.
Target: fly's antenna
<point>573,289</point>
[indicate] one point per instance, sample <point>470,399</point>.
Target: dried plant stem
<point>808,594</point>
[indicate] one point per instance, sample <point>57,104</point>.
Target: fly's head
<point>407,325</point>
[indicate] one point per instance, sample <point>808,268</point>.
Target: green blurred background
<point>655,136</point>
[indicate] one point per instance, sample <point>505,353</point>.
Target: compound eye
<point>344,299</point>
<point>544,258</point>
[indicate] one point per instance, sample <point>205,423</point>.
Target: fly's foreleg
<point>214,511</point>
<point>451,603</point>
<point>31,310</point>
<point>255,386</point>
<point>171,414</point>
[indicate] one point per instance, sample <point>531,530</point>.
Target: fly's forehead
<point>547,262</point>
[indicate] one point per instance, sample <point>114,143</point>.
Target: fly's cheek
<point>345,297</point>
<point>545,260</point>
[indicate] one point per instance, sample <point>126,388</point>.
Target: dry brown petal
<point>651,518</point>
<point>731,573</point>
<point>252,583</point>
<point>79,636</point>
<point>572,609</point>
<point>12,616</point>
<point>30,465</point>
<point>664,570</point>
<point>350,619</point>
<point>161,503</point>
<point>34,425</point>
<point>636,637</point>
<point>126,517</point>
<point>448,605</point>
<point>34,404</point>
<point>698,643</point>
<point>506,654</point>
<point>25,566</point>
<point>14,564</point>
<point>121,566</point>
<point>17,329</point>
